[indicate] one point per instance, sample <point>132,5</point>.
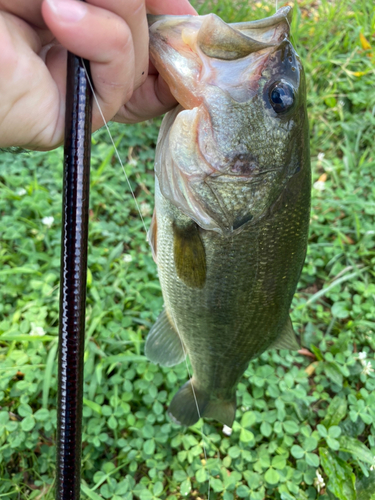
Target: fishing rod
<point>74,239</point>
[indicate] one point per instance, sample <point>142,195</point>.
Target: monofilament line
<point>114,145</point>
<point>196,402</point>
<point>290,30</point>
<point>144,226</point>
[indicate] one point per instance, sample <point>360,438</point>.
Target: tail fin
<point>183,408</point>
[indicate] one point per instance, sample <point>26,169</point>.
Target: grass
<point>298,414</point>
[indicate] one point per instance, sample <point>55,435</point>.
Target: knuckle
<point>128,94</point>
<point>119,89</point>
<point>8,51</point>
<point>121,37</point>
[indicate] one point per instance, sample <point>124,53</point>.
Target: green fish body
<point>232,201</point>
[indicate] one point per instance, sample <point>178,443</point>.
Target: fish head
<point>226,154</point>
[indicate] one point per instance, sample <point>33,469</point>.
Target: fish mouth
<point>229,40</point>
<point>249,178</point>
<point>235,178</point>
<point>186,50</point>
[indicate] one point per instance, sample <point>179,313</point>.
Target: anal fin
<point>287,338</point>
<point>163,344</point>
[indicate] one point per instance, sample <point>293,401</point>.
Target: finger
<point>18,34</point>
<point>134,14</point>
<point>56,63</point>
<point>29,11</point>
<point>30,106</point>
<point>152,99</point>
<point>173,7</point>
<point>103,38</point>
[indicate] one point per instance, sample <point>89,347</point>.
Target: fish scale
<point>232,200</point>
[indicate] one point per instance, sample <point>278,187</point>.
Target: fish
<point>232,201</point>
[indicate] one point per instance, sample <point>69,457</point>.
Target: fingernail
<point>68,10</point>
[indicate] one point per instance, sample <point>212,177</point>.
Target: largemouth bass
<point>229,231</point>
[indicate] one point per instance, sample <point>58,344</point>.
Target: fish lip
<point>255,35</point>
<point>220,40</point>
<point>282,13</point>
<point>251,33</point>
<point>234,178</point>
<point>152,19</point>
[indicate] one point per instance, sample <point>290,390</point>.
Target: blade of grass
<point>323,291</point>
<point>48,374</point>
<point>91,494</point>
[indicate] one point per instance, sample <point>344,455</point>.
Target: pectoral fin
<point>189,255</point>
<point>287,338</point>
<point>163,344</point>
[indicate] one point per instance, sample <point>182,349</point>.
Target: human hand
<point>111,34</point>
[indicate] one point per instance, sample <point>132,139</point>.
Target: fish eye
<point>281,96</point>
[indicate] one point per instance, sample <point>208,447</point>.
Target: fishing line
<point>145,228</point>
<point>114,146</point>
<point>290,28</point>
<point>196,403</point>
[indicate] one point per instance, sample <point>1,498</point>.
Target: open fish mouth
<point>186,48</point>
<point>228,41</point>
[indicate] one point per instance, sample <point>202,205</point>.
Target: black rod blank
<point>73,279</point>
